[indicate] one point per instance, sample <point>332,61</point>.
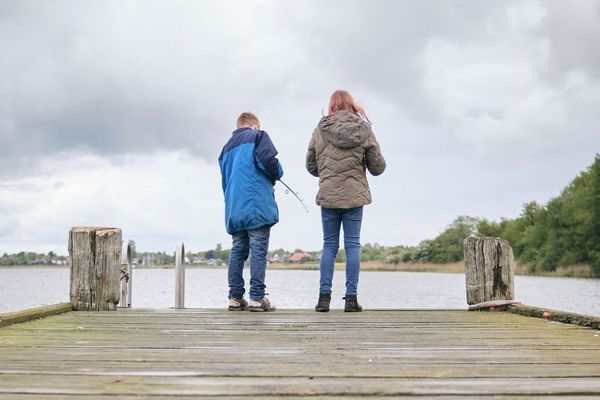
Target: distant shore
<point>574,271</point>
<point>379,266</point>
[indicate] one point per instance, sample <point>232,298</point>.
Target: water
<point>22,288</point>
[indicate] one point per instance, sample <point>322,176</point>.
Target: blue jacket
<point>249,169</point>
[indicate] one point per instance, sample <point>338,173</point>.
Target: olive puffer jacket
<point>342,147</point>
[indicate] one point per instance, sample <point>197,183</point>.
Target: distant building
<point>299,257</point>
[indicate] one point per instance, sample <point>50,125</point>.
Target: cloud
<point>114,112</point>
<point>502,92</point>
<point>156,202</point>
<point>571,32</point>
<point>113,79</point>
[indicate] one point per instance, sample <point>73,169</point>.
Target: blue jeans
<point>351,220</point>
<point>256,243</point>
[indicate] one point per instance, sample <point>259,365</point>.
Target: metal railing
<point>180,276</point>
<point>126,274</point>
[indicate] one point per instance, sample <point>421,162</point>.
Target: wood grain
<point>198,353</point>
<point>489,269</point>
<point>95,268</point>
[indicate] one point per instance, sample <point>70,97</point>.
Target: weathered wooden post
<point>126,274</point>
<point>95,268</point>
<point>180,276</point>
<point>489,272</point>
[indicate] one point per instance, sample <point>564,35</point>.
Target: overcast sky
<point>113,113</point>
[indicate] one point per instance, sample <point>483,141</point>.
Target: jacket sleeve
<point>311,156</point>
<point>265,155</point>
<point>374,160</point>
<point>223,177</point>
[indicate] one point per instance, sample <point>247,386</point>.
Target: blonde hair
<point>248,120</point>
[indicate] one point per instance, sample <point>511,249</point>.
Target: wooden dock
<point>198,353</point>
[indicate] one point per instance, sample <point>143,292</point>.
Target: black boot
<point>352,304</point>
<point>323,304</point>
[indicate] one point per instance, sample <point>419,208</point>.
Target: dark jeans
<point>332,219</point>
<point>256,243</point>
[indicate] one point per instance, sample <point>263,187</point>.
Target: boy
<point>249,169</point>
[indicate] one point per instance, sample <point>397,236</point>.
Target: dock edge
<point>34,313</point>
<point>554,315</point>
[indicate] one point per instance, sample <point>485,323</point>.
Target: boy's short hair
<point>247,120</point>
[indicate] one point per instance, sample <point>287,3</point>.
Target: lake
<point>22,288</point>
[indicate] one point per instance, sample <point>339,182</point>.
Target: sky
<point>113,113</point>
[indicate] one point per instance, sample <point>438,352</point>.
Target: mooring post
<point>126,274</point>
<point>180,276</point>
<point>489,272</point>
<point>95,268</point>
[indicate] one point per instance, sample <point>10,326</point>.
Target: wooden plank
<point>553,315</point>
<point>127,397</point>
<point>197,353</point>
<point>316,368</point>
<point>33,313</point>
<point>303,386</point>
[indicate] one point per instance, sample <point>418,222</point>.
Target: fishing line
<point>296,194</point>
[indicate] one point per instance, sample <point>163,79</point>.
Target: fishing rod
<point>296,194</point>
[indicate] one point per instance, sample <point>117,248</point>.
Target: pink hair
<point>342,100</point>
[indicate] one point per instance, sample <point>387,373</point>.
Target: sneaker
<point>352,304</point>
<point>323,304</point>
<point>260,305</point>
<point>237,304</point>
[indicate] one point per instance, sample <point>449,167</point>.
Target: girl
<point>340,151</point>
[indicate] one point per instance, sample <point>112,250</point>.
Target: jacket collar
<point>238,130</point>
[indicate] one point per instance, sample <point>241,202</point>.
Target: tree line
<point>32,258</point>
<point>563,232</point>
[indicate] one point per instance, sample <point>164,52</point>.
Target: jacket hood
<point>344,129</point>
